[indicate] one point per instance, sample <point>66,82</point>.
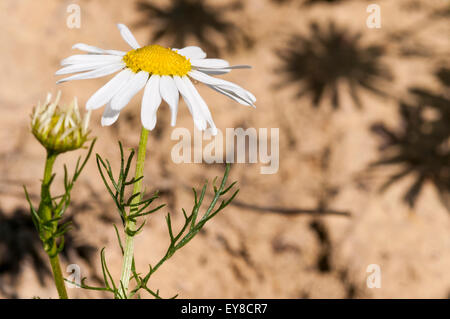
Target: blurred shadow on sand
<point>329,55</point>
<point>184,20</point>
<point>20,245</point>
<point>421,145</point>
<point>407,39</point>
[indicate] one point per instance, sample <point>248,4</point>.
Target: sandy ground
<point>285,236</point>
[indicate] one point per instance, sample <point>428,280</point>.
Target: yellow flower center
<point>156,59</point>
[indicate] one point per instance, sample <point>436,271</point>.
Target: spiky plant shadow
<point>422,145</point>
<point>406,38</point>
<point>20,244</point>
<point>182,20</point>
<point>319,62</point>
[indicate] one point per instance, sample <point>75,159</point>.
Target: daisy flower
<point>163,73</point>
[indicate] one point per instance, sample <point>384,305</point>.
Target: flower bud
<point>59,129</point>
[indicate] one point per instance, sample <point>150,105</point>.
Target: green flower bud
<point>59,129</point>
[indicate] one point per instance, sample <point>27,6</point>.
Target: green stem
<point>45,206</point>
<point>131,225</point>
<point>45,213</point>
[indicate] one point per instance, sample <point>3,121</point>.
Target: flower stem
<point>45,213</point>
<point>57,275</point>
<point>130,224</point>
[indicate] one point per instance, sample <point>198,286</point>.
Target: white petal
<point>128,36</point>
<point>217,71</point>
<point>91,58</point>
<point>204,78</point>
<point>200,117</point>
<point>214,71</point>
<point>107,91</point>
<point>191,103</point>
<point>243,96</point>
<point>150,102</point>
<point>225,85</point>
<point>87,48</point>
<point>95,50</point>
<point>103,71</point>
<point>201,104</point>
<point>192,52</point>
<point>231,95</point>
<point>169,93</point>
<point>74,68</point>
<point>239,66</point>
<point>210,63</point>
<point>116,52</point>
<point>109,115</point>
<point>128,90</point>
<point>183,90</point>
